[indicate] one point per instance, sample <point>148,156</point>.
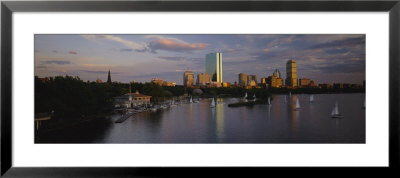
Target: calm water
<point>278,123</point>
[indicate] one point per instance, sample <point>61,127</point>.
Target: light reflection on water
<point>275,123</point>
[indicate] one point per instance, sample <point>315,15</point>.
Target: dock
<point>124,117</point>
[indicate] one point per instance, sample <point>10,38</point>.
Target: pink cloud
<point>173,45</point>
<point>73,52</point>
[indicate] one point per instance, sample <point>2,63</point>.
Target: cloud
<point>73,52</point>
<point>54,51</point>
<point>174,45</point>
<point>56,62</point>
<point>126,50</point>
<point>179,58</point>
<point>99,72</point>
<point>341,43</point>
<point>128,43</point>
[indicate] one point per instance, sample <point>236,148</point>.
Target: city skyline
<point>324,58</point>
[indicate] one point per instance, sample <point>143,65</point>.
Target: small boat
<point>191,100</point>
<point>254,97</point>
<point>311,98</point>
<point>335,112</point>
<point>196,101</point>
<point>173,103</point>
<point>269,101</point>
<point>297,105</point>
<point>245,96</point>
<point>212,103</point>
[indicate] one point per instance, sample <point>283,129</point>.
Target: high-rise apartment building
<point>203,79</point>
<point>242,79</point>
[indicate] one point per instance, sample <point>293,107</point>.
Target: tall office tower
<point>214,66</point>
<point>109,77</point>
<point>242,79</point>
<point>188,78</point>
<point>291,73</point>
<point>203,79</point>
<point>277,73</point>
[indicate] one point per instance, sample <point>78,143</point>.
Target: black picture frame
<point>8,7</point>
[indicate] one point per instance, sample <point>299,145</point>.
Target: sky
<point>324,58</point>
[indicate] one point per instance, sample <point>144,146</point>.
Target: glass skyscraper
<point>214,66</point>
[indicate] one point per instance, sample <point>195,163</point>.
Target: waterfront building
<point>337,85</point>
<point>291,74</point>
<point>242,79</point>
<point>214,66</point>
<point>188,78</point>
<point>226,84</point>
<point>274,82</point>
<point>131,100</point>
<point>324,85</point>
<point>252,83</point>
<point>277,73</point>
<point>109,77</point>
<point>203,79</point>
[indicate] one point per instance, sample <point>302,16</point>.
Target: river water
<point>275,123</point>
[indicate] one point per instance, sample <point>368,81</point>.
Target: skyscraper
<point>188,78</point>
<point>109,77</point>
<point>203,79</point>
<point>291,73</point>
<point>242,79</point>
<point>214,66</point>
<point>252,78</point>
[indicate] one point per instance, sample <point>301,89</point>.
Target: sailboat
<point>254,97</point>
<point>297,105</point>
<point>245,96</point>
<point>311,98</point>
<point>269,101</point>
<point>212,103</point>
<point>191,101</point>
<point>290,94</point>
<point>173,102</point>
<point>335,112</point>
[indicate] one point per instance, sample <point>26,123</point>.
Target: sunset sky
<point>323,58</point>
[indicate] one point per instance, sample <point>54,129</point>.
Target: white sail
<point>254,97</point>
<point>245,96</point>
<point>212,103</point>
<point>269,101</point>
<point>335,110</point>
<point>191,101</point>
<point>290,94</point>
<point>297,103</point>
<point>311,98</point>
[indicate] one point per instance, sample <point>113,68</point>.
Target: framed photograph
<point>142,88</point>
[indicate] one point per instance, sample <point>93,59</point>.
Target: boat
<point>191,100</point>
<point>335,112</point>
<point>297,105</point>
<point>173,103</point>
<point>245,96</point>
<point>311,98</point>
<point>196,101</point>
<point>212,103</point>
<point>269,101</point>
<point>254,97</point>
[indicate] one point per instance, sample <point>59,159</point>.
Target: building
<point>274,82</point>
<point>337,85</point>
<point>304,82</point>
<point>214,66</point>
<point>188,78</point>
<point>277,73</point>
<point>109,77</point>
<point>291,74</point>
<point>252,83</point>
<point>226,84</point>
<point>242,79</point>
<point>99,81</point>
<point>252,78</point>
<point>324,85</point>
<point>161,82</point>
<point>203,79</point>
<point>131,100</point>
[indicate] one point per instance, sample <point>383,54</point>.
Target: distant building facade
<point>251,78</point>
<point>291,73</point>
<point>214,66</point>
<point>242,79</point>
<point>188,78</point>
<point>277,73</point>
<point>161,82</point>
<point>203,79</point>
<point>131,100</point>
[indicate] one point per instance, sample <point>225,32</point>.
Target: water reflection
<point>219,118</point>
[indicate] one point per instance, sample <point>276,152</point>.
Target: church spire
<point>109,77</point>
